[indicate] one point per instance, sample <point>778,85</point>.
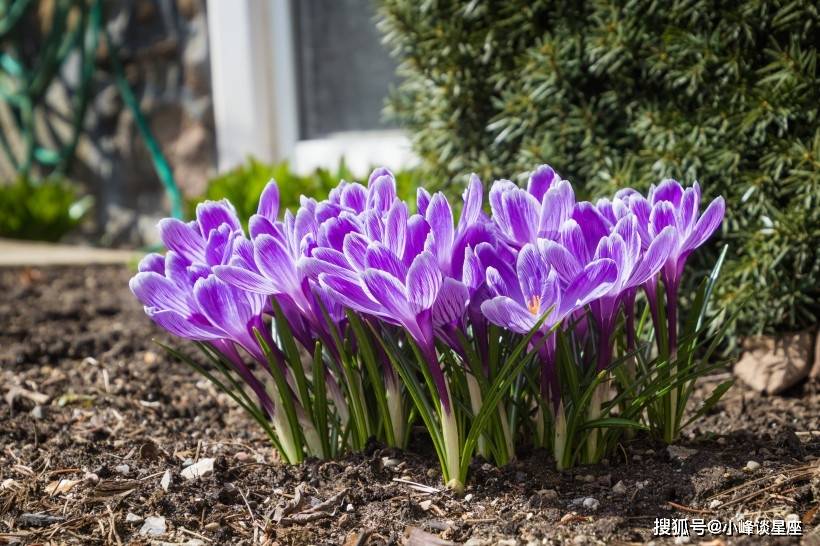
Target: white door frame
<point>256,108</point>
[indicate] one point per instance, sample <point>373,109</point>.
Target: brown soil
<point>94,415</point>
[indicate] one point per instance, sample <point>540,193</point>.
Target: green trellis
<point>76,31</point>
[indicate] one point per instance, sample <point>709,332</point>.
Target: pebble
<point>619,488</point>
<point>123,469</point>
<point>187,462</point>
<point>432,473</point>
<point>153,526</point>
<point>37,412</point>
<point>131,517</point>
<point>590,503</point>
<point>198,470</point>
<point>683,539</point>
<point>468,497</point>
<point>477,541</point>
<point>241,456</point>
<point>580,539</point>
<point>550,494</point>
<point>680,453</point>
<point>507,542</point>
<point>425,504</point>
<point>588,478</point>
<point>714,504</point>
<point>165,482</point>
<point>792,517</point>
<point>752,465</point>
<point>389,462</point>
<point>90,477</point>
<point>349,508</point>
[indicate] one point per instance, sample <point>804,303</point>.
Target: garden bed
<point>95,417</point>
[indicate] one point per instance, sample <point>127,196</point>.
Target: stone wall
<point>164,49</point>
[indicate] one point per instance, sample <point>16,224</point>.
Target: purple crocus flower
<point>671,206</point>
<point>180,293</point>
<point>524,216</point>
<point>536,289</point>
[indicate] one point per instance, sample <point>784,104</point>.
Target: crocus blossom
<point>539,263</point>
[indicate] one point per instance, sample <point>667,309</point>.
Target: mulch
<point>105,440</point>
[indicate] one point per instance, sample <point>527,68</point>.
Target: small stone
<point>199,470</point>
<point>507,542</point>
<point>425,504</point>
<point>683,539</point>
<point>187,462</point>
<point>580,539</point>
<point>792,517</point>
<point>432,473</point>
<point>752,465</point>
<point>165,482</point>
<point>590,504</point>
<point>680,453</point>
<point>468,497</point>
<point>153,526</point>
<point>637,458</point>
<point>619,488</point>
<point>714,504</point>
<point>349,508</point>
<point>588,478</point>
<point>241,456</point>
<point>131,517</point>
<point>486,467</point>
<point>389,462</point>
<point>721,441</point>
<point>549,494</point>
<point>477,541</point>
<point>92,478</point>
<point>37,412</point>
<point>123,469</point>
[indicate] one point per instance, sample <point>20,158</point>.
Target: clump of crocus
<point>485,324</point>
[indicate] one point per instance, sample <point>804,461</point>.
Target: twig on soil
<point>197,535</point>
<point>689,509</point>
<point>250,512</point>
<point>418,486</point>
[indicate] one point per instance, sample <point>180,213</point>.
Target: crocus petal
<point>594,282</point>
<point>594,225</point>
<point>556,207</point>
<point>355,249</point>
<point>423,282</point>
<point>668,190</point>
<point>154,290</point>
<point>532,272</point>
<point>354,196</point>
<point>152,262</point>
<point>276,263</point>
<point>654,257</point>
<point>218,247</point>
<point>540,181</point>
<point>350,294</point>
<point>522,214</point>
<point>269,201</point>
<point>381,192</point>
<point>212,214</point>
<point>311,268</point>
<point>562,260</point>
<point>224,306</point>
<point>182,326</point>
<point>380,257</point>
<point>472,197</point>
<point>440,217</point>
<point>183,238</point>
<point>507,313</point>
<point>417,231</point>
<point>422,200</point>
<point>395,230</point>
<point>707,224</point>
<point>389,292</point>
<point>450,303</point>
<point>332,233</point>
<point>572,238</point>
<point>245,279</point>
<point>260,225</point>
<point>663,215</point>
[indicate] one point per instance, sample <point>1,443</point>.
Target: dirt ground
<point>98,427</point>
